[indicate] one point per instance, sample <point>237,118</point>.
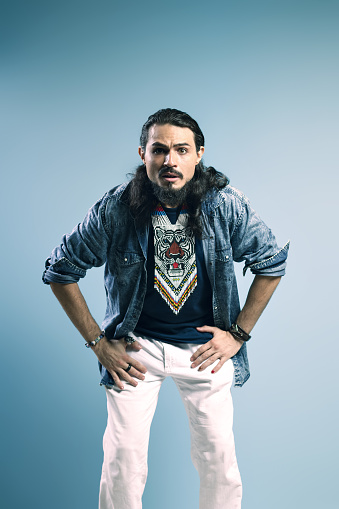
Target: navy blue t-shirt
<point>157,319</point>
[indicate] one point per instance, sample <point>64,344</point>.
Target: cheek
<point>190,170</point>
<point>151,170</point>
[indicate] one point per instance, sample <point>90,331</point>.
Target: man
<point>168,240</point>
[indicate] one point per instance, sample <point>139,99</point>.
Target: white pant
<point>209,407</point>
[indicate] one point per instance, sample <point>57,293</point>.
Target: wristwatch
<point>238,333</point>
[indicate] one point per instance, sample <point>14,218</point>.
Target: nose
<point>170,159</point>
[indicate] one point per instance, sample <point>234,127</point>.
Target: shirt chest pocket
<point>127,266</point>
<point>224,269</point>
<point>224,255</point>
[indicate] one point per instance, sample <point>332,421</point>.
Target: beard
<point>171,197</point>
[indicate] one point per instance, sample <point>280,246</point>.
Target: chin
<point>174,187</point>
<point>169,186</point>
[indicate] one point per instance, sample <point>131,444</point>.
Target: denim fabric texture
<point>108,235</point>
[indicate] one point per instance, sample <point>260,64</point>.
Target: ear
<point>200,154</point>
<point>142,154</point>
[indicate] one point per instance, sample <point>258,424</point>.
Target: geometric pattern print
<point>175,273</point>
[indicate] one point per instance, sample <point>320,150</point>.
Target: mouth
<point>170,175</point>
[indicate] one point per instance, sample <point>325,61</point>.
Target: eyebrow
<point>158,144</point>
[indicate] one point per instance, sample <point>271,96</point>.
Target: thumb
<point>206,328</point>
<point>136,346</point>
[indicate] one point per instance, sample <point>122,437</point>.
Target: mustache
<point>165,170</point>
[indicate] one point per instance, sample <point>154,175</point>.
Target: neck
<point>166,206</point>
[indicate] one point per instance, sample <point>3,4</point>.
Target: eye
<point>158,150</point>
<point>182,150</point>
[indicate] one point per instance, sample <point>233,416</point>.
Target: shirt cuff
<point>273,266</point>
<point>62,271</point>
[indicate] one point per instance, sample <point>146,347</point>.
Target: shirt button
<point>227,257</point>
<point>125,259</point>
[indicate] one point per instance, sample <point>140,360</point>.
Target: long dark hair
<point>142,200</point>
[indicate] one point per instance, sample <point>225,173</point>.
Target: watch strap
<point>238,333</point>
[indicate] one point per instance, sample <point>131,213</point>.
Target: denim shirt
<point>233,232</point>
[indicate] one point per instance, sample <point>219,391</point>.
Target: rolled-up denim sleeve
<point>84,248</point>
<point>254,243</point>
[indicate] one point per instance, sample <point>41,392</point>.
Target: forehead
<point>170,134</point>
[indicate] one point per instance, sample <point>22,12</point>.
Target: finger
<point>200,351</point>
<point>206,355</point>
<point>207,328</point>
<point>136,364</point>
<point>116,380</point>
<point>219,365</point>
<point>210,361</point>
<point>134,372</point>
<point>133,346</point>
<point>136,346</point>
<point>127,377</point>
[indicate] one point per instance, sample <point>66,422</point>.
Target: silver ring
<point>129,340</point>
<point>128,368</point>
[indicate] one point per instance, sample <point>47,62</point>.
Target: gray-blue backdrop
<point>78,79</point>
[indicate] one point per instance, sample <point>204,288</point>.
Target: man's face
<point>170,156</point>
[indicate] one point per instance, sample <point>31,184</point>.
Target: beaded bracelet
<point>95,341</point>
